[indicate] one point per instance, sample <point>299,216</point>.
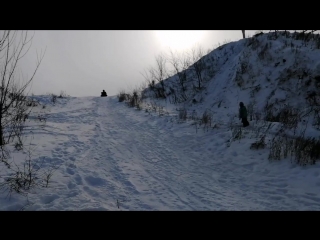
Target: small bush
<point>307,150</point>
<point>275,149</point>
<point>236,133</point>
<point>303,151</point>
<point>238,79</point>
<point>133,99</point>
<point>253,42</point>
<point>53,98</point>
<point>289,117</point>
<point>259,144</point>
<point>139,106</point>
<point>122,96</point>
<point>206,118</point>
<point>18,146</point>
<point>183,114</point>
<point>29,176</point>
<point>31,103</point>
<point>62,94</point>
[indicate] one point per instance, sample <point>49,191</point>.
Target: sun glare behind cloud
<point>179,39</point>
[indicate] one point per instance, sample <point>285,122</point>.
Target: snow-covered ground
<point>108,156</point>
<point>112,157</point>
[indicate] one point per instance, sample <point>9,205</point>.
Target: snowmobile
<point>103,93</point>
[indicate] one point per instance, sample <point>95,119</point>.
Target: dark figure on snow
<point>243,114</point>
<point>103,93</point>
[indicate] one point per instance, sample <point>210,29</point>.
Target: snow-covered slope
<point>111,157</point>
<point>260,70</point>
<point>268,72</point>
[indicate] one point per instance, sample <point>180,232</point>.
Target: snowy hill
<point>276,75</point>
<point>260,70</point>
<point>256,70</point>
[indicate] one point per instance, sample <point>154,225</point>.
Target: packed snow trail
<point>117,158</point>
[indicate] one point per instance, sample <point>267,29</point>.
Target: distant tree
<point>198,66</point>
<point>180,63</point>
<point>243,33</point>
<point>155,76</point>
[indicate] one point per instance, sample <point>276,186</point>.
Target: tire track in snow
<point>211,182</point>
<point>136,181</point>
<point>173,172</point>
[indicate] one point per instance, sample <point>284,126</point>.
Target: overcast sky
<point>82,63</point>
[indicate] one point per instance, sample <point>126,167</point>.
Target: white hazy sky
<point>82,63</point>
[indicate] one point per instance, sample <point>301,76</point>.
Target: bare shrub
<point>263,52</point>
<point>236,130</point>
<point>289,116</point>
<point>53,98</point>
<point>250,108</point>
<point>18,145</point>
<point>155,77</point>
<point>259,144</point>
<point>62,94</point>
<point>198,66</point>
<point>15,106</point>
<point>177,95</point>
<point>253,42</point>
<point>13,95</point>
<point>307,150</point>
<point>244,66</point>
<point>255,90</point>
<point>303,151</point>
<point>236,133</point>
<point>122,96</point>
<point>153,106</point>
<point>206,119</point>
<point>317,42</point>
<point>262,129</point>
<point>31,103</point>
<point>183,114</point>
<point>133,99</point>
<point>180,63</point>
<point>31,175</point>
<point>275,149</point>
